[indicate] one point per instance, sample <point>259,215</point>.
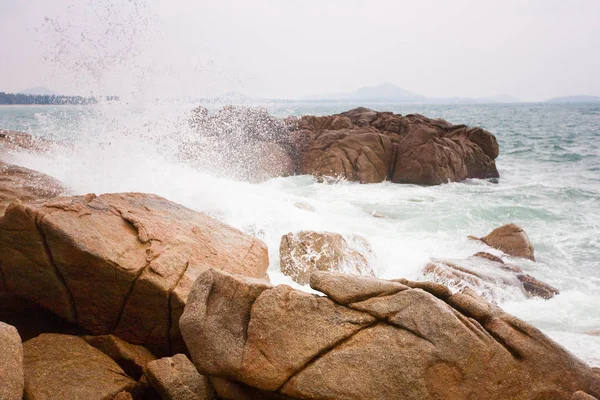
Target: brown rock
<point>371,339</point>
<point>17,141</point>
<point>368,146</point>
<point>123,396</point>
<point>66,367</point>
<point>579,395</point>
<point>230,390</point>
<point>303,253</point>
<point>132,358</point>
<point>26,185</point>
<point>512,240</point>
<point>119,263</point>
<point>11,363</point>
<point>504,275</point>
<point>176,378</point>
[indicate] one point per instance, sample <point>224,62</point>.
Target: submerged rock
<point>485,281</point>
<point>510,239</point>
<point>119,263</point>
<point>11,363</point>
<point>371,339</point>
<point>305,252</point>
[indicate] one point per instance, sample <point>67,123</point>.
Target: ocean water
<point>550,185</point>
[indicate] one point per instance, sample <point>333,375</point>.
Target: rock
<point>512,240</point>
<point>371,339</point>
<point>176,378</point>
<point>361,155</point>
<point>31,320</point>
<point>123,396</point>
<point>486,275</point>
<point>305,252</point>
<point>11,366</point>
<point>240,142</point>
<point>26,185</point>
<point>66,367</point>
<point>119,264</point>
<point>230,390</point>
<point>579,395</point>
<point>369,147</point>
<point>132,358</point>
<point>18,141</point>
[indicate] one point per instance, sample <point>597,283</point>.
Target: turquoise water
<point>550,185</point>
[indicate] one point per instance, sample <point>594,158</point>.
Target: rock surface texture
<point>24,184</point>
<point>11,363</point>
<point>176,378</point>
<point>369,147</point>
<point>303,253</point>
<point>119,263</point>
<point>66,367</point>
<point>372,339</point>
<point>512,240</point>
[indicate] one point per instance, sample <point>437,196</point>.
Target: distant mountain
<point>383,92</point>
<point>39,91</point>
<point>575,99</point>
<point>390,93</point>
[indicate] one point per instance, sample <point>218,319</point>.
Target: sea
<point>549,184</point>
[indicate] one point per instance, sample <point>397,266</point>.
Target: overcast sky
<point>533,49</point>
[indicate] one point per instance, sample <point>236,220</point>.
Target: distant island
<point>575,99</point>
<point>390,93</point>
<point>47,99</point>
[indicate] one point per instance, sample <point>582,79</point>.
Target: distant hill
<point>39,91</point>
<point>390,93</point>
<point>575,99</point>
<point>383,92</point>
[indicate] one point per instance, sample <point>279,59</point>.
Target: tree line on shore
<point>21,99</point>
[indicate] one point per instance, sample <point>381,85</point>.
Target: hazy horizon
<point>290,50</point>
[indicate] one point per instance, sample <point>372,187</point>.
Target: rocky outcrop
<point>512,240</point>
<point>18,141</point>
<point>371,339</point>
<point>66,367</point>
<point>119,263</point>
<point>368,146</point>
<point>24,184</point>
<point>176,378</point>
<point>239,142</point>
<point>11,363</point>
<point>484,273</point>
<point>303,253</point>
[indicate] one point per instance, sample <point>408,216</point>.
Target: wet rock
<point>304,252</point>
<point>66,367</point>
<point>369,147</point>
<point>11,365</point>
<point>497,274</point>
<point>18,141</point>
<point>371,339</point>
<point>510,239</point>
<point>176,378</point>
<point>119,264</point>
<point>132,358</point>
<point>25,184</point>
<point>579,395</point>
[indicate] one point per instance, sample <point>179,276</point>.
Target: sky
<point>533,50</point>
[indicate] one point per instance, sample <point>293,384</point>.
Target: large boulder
<point>176,378</point>
<point>119,263</point>
<point>66,367</point>
<point>25,184</point>
<point>304,252</point>
<point>11,363</point>
<point>512,240</point>
<point>372,339</point>
<point>369,147</point>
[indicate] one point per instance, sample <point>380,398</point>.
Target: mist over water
<point>549,165</point>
